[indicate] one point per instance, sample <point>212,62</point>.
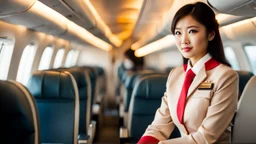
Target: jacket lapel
<point>199,78</point>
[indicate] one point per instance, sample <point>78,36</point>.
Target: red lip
<point>186,49</point>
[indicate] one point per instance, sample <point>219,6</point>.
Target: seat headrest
<point>132,78</point>
<point>129,80</point>
<point>150,87</point>
<point>244,77</point>
<point>19,120</point>
<point>52,84</point>
<point>100,71</point>
<point>168,69</point>
<point>79,75</point>
<point>92,71</point>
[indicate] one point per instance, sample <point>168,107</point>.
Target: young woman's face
<point>191,38</point>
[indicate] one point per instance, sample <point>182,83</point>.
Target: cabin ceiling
<point>126,19</point>
<point>119,15</point>
<point>131,22</point>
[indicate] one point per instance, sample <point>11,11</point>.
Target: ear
<point>211,36</point>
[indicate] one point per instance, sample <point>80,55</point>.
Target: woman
<point>201,96</point>
<point>131,62</point>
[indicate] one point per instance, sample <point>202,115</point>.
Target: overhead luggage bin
<point>12,7</point>
<point>234,7</point>
<point>36,17</point>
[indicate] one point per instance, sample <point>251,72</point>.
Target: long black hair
<point>204,15</point>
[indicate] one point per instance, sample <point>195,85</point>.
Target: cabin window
<point>58,58</point>
<point>71,58</point>
<point>25,64</point>
<point>6,49</point>
<point>46,58</point>
<point>251,53</point>
<point>76,54</point>
<point>231,57</point>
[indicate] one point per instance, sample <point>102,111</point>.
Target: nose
<point>185,39</point>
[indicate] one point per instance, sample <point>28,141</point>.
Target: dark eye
<point>192,31</point>
<point>177,33</point>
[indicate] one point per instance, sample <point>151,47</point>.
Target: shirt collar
<point>196,68</point>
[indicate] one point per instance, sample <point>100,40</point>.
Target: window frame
<point>8,48</point>
<point>247,56</point>
<point>49,64</point>
<point>239,66</point>
<point>21,80</point>
<point>62,58</point>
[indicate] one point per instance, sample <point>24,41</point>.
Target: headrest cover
<point>244,77</point>
<point>100,71</point>
<point>150,87</point>
<point>81,82</point>
<point>134,77</point>
<point>92,71</point>
<point>52,84</point>
<point>129,79</point>
<point>18,117</point>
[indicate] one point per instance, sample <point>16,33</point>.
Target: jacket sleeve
<point>162,125</point>
<point>219,115</point>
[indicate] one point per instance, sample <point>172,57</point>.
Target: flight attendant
<point>201,96</point>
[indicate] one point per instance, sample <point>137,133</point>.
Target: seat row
<point>59,111</point>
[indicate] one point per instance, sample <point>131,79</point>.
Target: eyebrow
<point>188,27</point>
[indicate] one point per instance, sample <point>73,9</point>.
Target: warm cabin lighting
<point>165,42</point>
<point>73,28</point>
<point>87,36</point>
<point>101,25</point>
<point>240,23</point>
<point>48,13</point>
<point>135,45</point>
<point>221,17</point>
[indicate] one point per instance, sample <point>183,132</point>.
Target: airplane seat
<point>93,78</point>
<point>100,97</point>
<point>244,77</point>
<point>100,85</point>
<point>168,69</point>
<point>146,99</point>
<point>57,100</point>
<point>120,70</point>
<point>19,116</point>
<point>84,89</point>
<point>244,128</point>
<point>129,85</point>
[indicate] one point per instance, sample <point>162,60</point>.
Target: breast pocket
<point>202,94</point>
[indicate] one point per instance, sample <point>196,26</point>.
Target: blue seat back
<point>244,77</point>
<point>83,89</point>
<point>146,98</point>
<point>93,78</point>
<point>130,83</point>
<point>19,121</point>
<point>57,100</point>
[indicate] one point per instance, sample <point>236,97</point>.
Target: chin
<point>186,56</point>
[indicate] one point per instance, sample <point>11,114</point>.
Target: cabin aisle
<point>109,133</point>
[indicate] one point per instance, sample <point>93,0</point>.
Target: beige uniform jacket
<point>208,113</point>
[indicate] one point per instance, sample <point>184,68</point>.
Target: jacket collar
<point>201,76</point>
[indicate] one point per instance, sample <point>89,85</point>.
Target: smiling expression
<point>191,38</point>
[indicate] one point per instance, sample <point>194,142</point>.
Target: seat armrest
<point>121,110</point>
<point>124,136</point>
<point>123,133</point>
<point>95,109</point>
<point>83,138</point>
<point>91,131</point>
